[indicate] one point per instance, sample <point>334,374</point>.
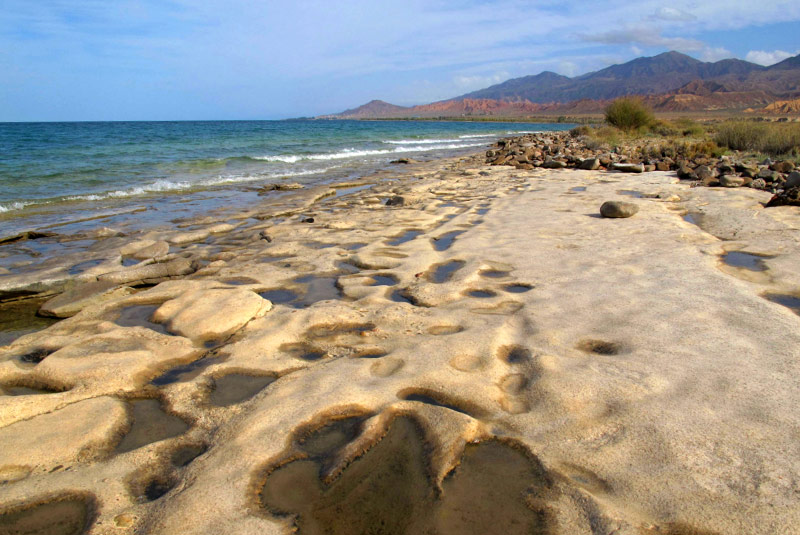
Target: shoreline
<point>632,371</point>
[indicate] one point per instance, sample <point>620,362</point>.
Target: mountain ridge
<point>670,81</point>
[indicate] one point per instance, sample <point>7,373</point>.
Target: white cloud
<point>478,81</point>
<point>644,37</point>
<point>763,57</point>
<point>715,53</point>
<point>670,13</point>
<point>568,68</point>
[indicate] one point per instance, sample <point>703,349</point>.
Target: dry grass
<point>774,139</point>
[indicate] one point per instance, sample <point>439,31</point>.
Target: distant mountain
<point>641,76</point>
<point>670,81</point>
<point>374,108</point>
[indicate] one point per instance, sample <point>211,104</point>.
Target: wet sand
<point>486,354</point>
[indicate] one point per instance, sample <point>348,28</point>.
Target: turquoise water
<point>48,170</point>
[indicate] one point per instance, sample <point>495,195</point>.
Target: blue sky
<point>268,59</point>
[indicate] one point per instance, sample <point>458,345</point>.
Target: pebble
<point>618,209</point>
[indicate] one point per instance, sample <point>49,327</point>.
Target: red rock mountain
<point>668,82</point>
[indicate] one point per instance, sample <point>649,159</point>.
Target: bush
<point>767,138</point>
<point>628,114</point>
<point>579,131</point>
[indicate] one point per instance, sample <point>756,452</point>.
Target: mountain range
<point>667,82</point>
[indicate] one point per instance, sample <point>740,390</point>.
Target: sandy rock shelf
<point>638,375</point>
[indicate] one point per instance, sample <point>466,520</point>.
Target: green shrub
<point>689,128</point>
<point>629,113</point>
<point>579,131</point>
<point>768,138</point>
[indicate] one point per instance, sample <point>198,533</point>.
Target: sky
<point>63,60</point>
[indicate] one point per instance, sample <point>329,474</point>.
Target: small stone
<point>618,209</point>
<point>554,164</point>
<point>731,181</point>
<point>792,181</point>
<point>628,167</point>
<point>397,200</point>
<point>264,236</point>
<point>758,183</point>
<point>686,173</point>
<point>407,160</point>
<point>306,219</point>
<point>784,166</point>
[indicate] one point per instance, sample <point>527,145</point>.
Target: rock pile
<point>559,150</point>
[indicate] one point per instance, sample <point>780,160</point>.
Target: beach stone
<point>175,268</point>
<point>758,183</point>
<point>79,431</point>
<point>157,249</point>
<point>628,167</point>
<point>731,181</point>
<point>662,166</point>
<point>283,187</point>
<point>787,197</point>
<point>768,175</point>
<point>618,209</point>
<point>189,237</point>
<point>73,301</point>
<point>219,228</point>
<point>590,164</point>
<point>397,200</point>
<point>554,164</point>
<point>792,181</point>
<point>686,173</point>
<point>784,166</point>
<point>211,314</point>
<point>407,160</point>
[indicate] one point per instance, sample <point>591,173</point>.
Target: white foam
<point>420,141</point>
<point>10,207</point>
<point>353,153</point>
<point>471,136</point>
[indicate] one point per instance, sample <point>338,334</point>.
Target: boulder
<point>175,268</point>
<point>553,164</point>
<point>784,166</point>
<point>73,301</point>
<point>618,209</point>
<point>686,173</point>
<point>589,164</point>
<point>211,314</point>
<point>792,181</point>
<point>731,181</point>
<point>628,167</point>
<point>787,197</point>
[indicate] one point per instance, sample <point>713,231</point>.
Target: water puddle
<point>18,318</point>
<point>480,294</point>
<point>514,354</point>
<point>631,193</point>
<point>280,296</point>
<point>303,351</point>
<point>482,211</point>
<point>150,424</point>
<point>400,296</point>
<point>495,488</point>
<point>77,269</point>
<point>747,261</point>
<point>268,259</point>
<point>494,273</point>
<point>317,289</point>
<point>444,272</point>
<point>407,236</point>
<point>20,390</point>
<point>347,190</point>
<point>693,219</point>
<point>383,280</point>
<point>128,262</point>
<point>789,301</point>
<point>185,372</point>
<point>517,288</point>
<point>236,387</point>
<point>66,516</point>
<point>445,241</point>
<point>240,281</point>
<point>139,316</point>
<point>578,188</point>
<point>353,246</point>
